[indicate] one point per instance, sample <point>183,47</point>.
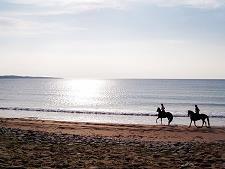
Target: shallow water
<point>116,101</point>
<point>96,118</point>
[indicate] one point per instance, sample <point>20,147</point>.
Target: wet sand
<point>27,143</point>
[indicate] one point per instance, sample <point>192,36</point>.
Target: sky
<point>113,38</point>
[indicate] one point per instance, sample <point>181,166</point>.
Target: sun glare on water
<point>84,91</point>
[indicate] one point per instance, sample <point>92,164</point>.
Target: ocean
<point>111,101</point>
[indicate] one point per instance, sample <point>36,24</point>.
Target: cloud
<point>71,4</point>
<point>19,22</point>
<point>209,4</point>
<point>13,26</point>
<point>58,7</point>
<point>119,3</point>
<point>10,24</point>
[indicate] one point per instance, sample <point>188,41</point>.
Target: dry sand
<point>134,132</point>
<point>27,143</point>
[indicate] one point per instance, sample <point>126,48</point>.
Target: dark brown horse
<point>162,115</point>
<point>195,117</point>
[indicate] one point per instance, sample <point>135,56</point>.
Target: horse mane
<point>190,111</point>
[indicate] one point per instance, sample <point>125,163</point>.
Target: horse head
<point>190,113</point>
<point>158,110</point>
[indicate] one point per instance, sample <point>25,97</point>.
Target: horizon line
<point>91,78</point>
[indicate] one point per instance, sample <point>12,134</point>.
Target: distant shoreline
<point>49,77</point>
<point>26,77</point>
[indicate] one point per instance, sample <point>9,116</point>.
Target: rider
<point>163,108</point>
<point>197,110</point>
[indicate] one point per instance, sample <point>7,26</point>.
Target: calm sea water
<point>96,100</point>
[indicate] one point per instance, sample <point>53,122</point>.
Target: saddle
<point>163,113</point>
<point>197,116</point>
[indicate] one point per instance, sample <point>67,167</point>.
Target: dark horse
<point>195,117</point>
<point>167,115</point>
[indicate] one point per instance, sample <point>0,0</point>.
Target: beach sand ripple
<point>20,148</point>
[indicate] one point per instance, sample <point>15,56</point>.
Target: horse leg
<point>157,119</point>
<point>203,121</point>
<point>190,123</point>
<point>195,124</point>
<point>169,120</point>
<point>161,121</point>
<point>208,122</point>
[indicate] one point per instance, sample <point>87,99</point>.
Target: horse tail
<point>208,121</point>
<point>170,118</point>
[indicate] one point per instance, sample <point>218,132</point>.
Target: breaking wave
<point>220,115</point>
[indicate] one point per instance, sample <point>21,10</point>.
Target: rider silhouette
<point>163,108</point>
<point>197,110</point>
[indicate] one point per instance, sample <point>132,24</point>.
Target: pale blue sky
<point>113,38</point>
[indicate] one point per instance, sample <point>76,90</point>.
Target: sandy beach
<point>28,143</point>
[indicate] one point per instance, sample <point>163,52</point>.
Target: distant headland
<point>26,77</point>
